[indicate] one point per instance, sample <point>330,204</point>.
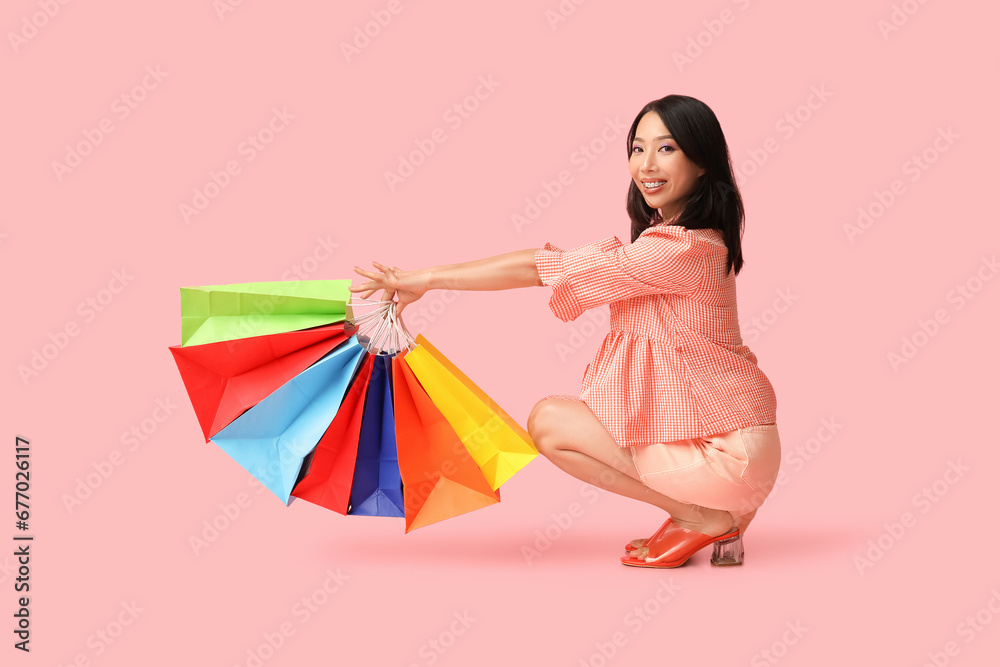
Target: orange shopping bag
<point>440,479</point>
<point>497,443</point>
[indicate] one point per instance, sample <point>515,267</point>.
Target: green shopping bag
<point>227,312</point>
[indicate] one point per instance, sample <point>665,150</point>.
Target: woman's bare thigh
<point>563,423</point>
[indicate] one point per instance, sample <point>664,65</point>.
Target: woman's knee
<point>556,424</point>
<point>542,423</point>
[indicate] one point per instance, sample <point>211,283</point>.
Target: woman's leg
<point>569,434</point>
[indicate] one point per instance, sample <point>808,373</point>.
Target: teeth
<point>653,185</point>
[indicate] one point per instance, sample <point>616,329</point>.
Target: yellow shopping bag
<point>497,443</point>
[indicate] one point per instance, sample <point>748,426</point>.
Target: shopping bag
<point>440,479</point>
<point>226,378</point>
<point>316,413</point>
<point>497,443</point>
<point>271,439</point>
<point>330,470</point>
<point>227,312</point>
<point>377,488</point>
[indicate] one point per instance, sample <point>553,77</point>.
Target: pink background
<point>862,437</point>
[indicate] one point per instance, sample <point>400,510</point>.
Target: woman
<point>674,410</point>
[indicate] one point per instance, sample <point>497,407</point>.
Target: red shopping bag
<point>226,378</point>
<point>331,468</point>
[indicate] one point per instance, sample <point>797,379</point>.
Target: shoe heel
<point>728,552</point>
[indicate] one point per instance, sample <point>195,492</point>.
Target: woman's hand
<point>407,286</point>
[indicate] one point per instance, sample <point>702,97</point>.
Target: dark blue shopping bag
<point>377,489</point>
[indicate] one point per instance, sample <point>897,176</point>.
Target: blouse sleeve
<point>662,259</point>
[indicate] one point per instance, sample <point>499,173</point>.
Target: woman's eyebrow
<point>665,136</point>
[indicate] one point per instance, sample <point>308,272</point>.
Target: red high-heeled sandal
<point>658,533</point>
<point>676,545</point>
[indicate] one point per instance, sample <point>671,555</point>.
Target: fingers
<point>365,290</point>
<point>388,270</point>
<point>371,274</point>
<point>361,288</point>
<point>377,281</point>
<point>366,286</point>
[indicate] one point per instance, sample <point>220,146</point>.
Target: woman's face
<point>657,160</point>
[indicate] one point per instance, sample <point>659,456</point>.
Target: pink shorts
<point>732,471</point>
<point>729,471</point>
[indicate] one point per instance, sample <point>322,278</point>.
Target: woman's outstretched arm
<point>506,271</point>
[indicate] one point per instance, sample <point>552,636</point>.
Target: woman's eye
<point>667,146</point>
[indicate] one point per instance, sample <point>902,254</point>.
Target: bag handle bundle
<point>381,330</point>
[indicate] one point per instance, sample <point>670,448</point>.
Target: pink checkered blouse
<point>673,365</point>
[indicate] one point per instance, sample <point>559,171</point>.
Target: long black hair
<point>715,202</point>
